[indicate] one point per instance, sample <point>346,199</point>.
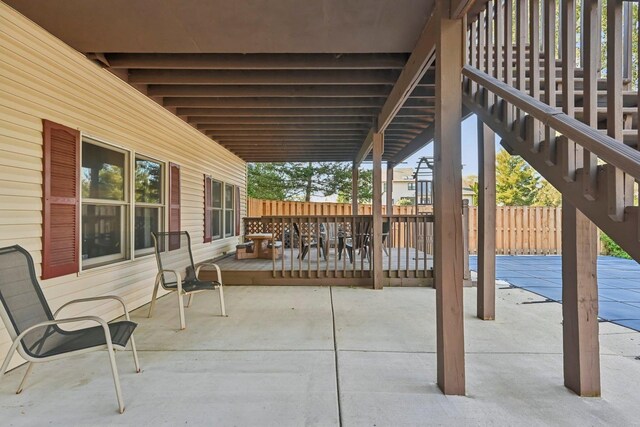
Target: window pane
<point>216,188</point>
<point>102,173</point>
<point>147,221</point>
<point>228,196</point>
<point>216,226</point>
<point>228,223</point>
<point>101,231</point>
<point>148,181</point>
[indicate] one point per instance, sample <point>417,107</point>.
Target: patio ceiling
<point>271,80</point>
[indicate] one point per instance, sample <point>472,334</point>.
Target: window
<point>229,210</point>
<point>411,186</point>
<point>217,213</point>
<point>104,189</point>
<point>149,203</point>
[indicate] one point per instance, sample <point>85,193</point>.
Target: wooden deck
<point>402,267</point>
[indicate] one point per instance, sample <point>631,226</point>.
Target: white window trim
<point>143,253</point>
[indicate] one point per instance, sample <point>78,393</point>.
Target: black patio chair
<point>36,332</point>
<point>178,273</point>
<point>308,240</point>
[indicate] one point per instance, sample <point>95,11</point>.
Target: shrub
<point>609,247</point>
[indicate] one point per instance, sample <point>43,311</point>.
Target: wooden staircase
<point>520,121</point>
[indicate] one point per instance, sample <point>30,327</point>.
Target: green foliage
<point>609,247</point>
<point>301,181</point>
<point>266,181</point>
<point>404,202</point>
<point>547,195</point>
<point>517,184</point>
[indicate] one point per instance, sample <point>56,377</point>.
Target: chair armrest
<point>99,320</point>
<point>175,273</point>
<point>210,264</point>
<point>99,298</point>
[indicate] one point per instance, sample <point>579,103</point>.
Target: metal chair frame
<point>109,346</point>
<point>179,282</point>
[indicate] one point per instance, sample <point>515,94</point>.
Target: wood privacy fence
<point>520,230</point>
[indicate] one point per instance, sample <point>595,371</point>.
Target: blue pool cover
<point>618,283</point>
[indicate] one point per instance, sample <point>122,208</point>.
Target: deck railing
<point>340,246</point>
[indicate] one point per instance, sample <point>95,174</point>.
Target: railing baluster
<point>591,39</point>
<point>534,49</point>
<point>489,55</point>
<point>550,74</point>
<point>508,60</point>
<point>620,188</point>
<point>499,50</point>
<point>568,74</point>
<point>473,54</point>
<point>521,43</point>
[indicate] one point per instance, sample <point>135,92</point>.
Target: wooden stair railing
<point>580,132</point>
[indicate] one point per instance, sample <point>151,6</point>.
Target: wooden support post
<point>486,302</point>
<point>581,348</point>
<point>378,147</point>
<point>354,189</point>
<point>389,189</point>
<point>448,256</point>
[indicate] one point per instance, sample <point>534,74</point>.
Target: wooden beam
<point>459,8</point>
<point>286,133</point>
<point>448,246</point>
<point>280,120</point>
<point>355,172</point>
<point>486,301</point>
<point>420,60</point>
<point>286,112</point>
<point>581,347</point>
<point>257,61</point>
<point>378,148</point>
<point>265,77</point>
<point>304,127</point>
<point>279,102</point>
<point>247,91</point>
<point>365,148</point>
<point>421,140</point>
<point>389,189</point>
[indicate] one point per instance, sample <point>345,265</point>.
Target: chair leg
<point>24,379</point>
<point>135,354</point>
<point>153,297</point>
<point>190,300</point>
<point>181,307</point>
<point>116,380</point>
<point>222,307</point>
<point>7,359</point>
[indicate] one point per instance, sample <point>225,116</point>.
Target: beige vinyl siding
<point>43,78</point>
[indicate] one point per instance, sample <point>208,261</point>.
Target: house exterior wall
<point>43,78</point>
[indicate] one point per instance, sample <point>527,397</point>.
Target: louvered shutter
<point>207,209</point>
<point>237,211</point>
<point>174,204</point>
<point>61,200</point>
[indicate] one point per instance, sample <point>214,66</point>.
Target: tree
<point>266,181</point>
<point>517,184</point>
<point>471,181</point>
<point>301,181</point>
<point>405,202</point>
<point>365,186</point>
<point>547,195</point>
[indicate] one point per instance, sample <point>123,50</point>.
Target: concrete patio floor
<point>291,356</point>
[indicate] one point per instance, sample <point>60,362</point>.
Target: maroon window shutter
<point>207,209</point>
<point>237,208</point>
<point>174,204</point>
<point>61,200</point>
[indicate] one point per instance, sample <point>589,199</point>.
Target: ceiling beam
<point>287,112</point>
<point>421,140</point>
<point>421,59</point>
<point>278,120</point>
<point>256,61</point>
<point>286,133</point>
<point>315,91</point>
<point>266,77</point>
<point>275,126</point>
<point>255,102</point>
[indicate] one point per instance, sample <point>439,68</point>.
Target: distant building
<point>404,187</point>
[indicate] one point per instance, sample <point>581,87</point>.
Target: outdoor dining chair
<point>36,332</point>
<point>178,273</point>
